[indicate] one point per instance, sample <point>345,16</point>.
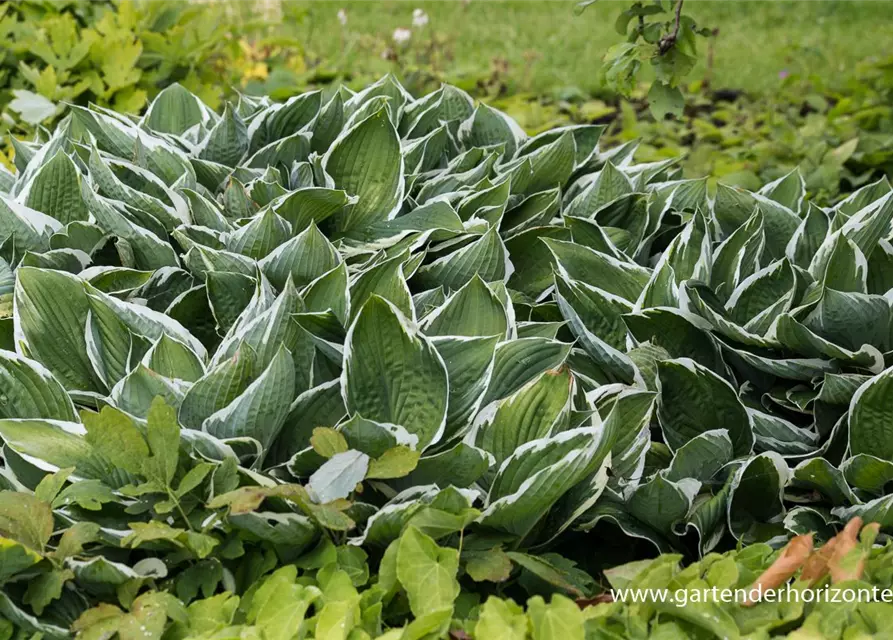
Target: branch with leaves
<point>669,46</point>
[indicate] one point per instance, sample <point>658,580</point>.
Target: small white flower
<point>401,36</point>
<point>342,17</point>
<point>419,18</point>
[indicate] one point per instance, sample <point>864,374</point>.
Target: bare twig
<point>669,40</point>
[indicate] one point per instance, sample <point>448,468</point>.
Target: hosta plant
<point>293,341</point>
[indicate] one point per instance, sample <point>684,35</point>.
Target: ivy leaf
<point>26,519</point>
<point>427,572</point>
<point>394,463</point>
<point>327,442</point>
<point>45,588</point>
<point>163,434</point>
<point>113,434</point>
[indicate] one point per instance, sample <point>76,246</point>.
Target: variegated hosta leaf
<point>394,374</point>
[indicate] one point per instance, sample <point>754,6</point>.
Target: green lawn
<point>547,48</point>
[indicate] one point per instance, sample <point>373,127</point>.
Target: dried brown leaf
<point>791,558</point>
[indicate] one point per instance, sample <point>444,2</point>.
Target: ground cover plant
<point>365,362</point>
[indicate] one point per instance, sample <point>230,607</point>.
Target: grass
<point>545,49</point>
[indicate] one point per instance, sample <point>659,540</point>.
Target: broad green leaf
<point>473,310</point>
<point>394,374</point>
<point>692,399</point>
<point>427,572</point>
<point>869,417</point>
<point>365,161</point>
<point>31,391</point>
<point>51,315</point>
<point>55,190</point>
<point>260,410</point>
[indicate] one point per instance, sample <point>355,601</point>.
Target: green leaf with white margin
<point>329,292</point>
<point>536,475</point>
<point>175,110</point>
<point>149,251</point>
<point>551,165</point>
<point>167,209</point>
<point>690,253</point>
<point>469,363</point>
<point>755,503</point>
<point>576,262</point>
<point>809,236</point>
<point>535,411</point>
<point>54,189</point>
<point>738,256</point>
<point>486,257</point>
<point>473,310</point>
<point>427,572</point>
<point>51,312</point>
<point>599,312</point>
<point>817,474</point>
<point>392,373</point>
<point>793,335</point>
<point>879,510</point>
<point>366,161</point>
<point>868,473</point>
<point>517,362</point>
<point>305,257</point>
<point>257,239</point>
<point>433,216</point>
<point>627,430</point>
<point>613,363</point>
<point>461,466</point>
<point>373,438</point>
<point>681,334</point>
<point>26,228</point>
<point>608,185</point>
<point>135,391</point>
<point>279,120</point>
<point>692,399</point>
<point>663,504</point>
<point>789,190</point>
<point>871,417</point>
<point>321,406</point>
<point>489,127</point>
<point>218,387</point>
<point>144,321</point>
<point>851,320</point>
<point>701,457</point>
<point>260,411</point>
<point>266,332</point>
<point>173,359</point>
<point>773,433</point>
<point>847,267</point>
<point>385,279</point>
<point>865,228</point>
<point>29,390</point>
<point>227,141</point>
<point>52,445</point>
<point>753,303</point>
<point>303,207</point>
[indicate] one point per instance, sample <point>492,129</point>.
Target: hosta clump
<point>294,334</point>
